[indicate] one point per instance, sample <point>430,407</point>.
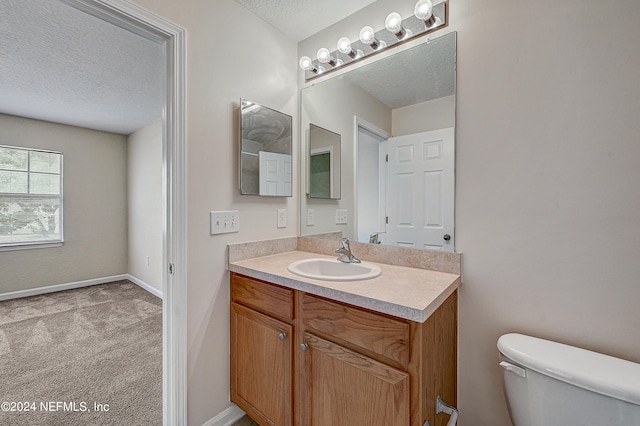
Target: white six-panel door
<point>420,190</point>
<point>275,174</point>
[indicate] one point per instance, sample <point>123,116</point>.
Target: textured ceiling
<point>299,19</point>
<point>62,65</point>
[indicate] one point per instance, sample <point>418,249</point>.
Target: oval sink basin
<point>334,270</point>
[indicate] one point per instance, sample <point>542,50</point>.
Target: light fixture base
<point>413,26</point>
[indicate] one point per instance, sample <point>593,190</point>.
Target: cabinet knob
<point>282,336</point>
<point>304,346</point>
<point>447,237</point>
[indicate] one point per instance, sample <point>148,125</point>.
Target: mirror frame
<point>312,209</point>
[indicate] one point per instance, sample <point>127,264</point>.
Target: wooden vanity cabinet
<point>343,387</point>
<point>347,365</point>
<point>262,350</point>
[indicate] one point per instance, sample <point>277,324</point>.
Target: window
<point>30,197</point>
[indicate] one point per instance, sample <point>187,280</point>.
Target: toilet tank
<point>549,383</point>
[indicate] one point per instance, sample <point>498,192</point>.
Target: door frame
<point>319,151</point>
<point>358,123</point>
<point>144,23</point>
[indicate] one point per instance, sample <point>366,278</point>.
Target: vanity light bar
<point>427,18</point>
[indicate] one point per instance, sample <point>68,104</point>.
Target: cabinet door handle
<point>282,336</point>
<point>304,346</point>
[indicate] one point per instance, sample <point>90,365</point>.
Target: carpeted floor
<point>90,356</point>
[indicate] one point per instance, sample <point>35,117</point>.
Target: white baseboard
<point>77,284</point>
<point>60,287</point>
<point>227,417</point>
<point>144,285</point>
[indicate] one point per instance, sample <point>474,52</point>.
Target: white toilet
<point>548,384</point>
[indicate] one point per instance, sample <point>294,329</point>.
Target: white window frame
<point>22,245</point>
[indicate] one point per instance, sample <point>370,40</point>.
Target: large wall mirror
<point>396,116</point>
<point>265,151</point>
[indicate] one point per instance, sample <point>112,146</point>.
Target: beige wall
<point>144,149</point>
<point>230,54</point>
<point>95,206</point>
<point>423,117</point>
<point>547,181</point>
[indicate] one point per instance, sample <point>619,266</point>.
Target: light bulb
<point>393,23</point>
<point>307,64</point>
<point>424,11</point>
<point>367,35</point>
<point>324,55</point>
<point>344,45</point>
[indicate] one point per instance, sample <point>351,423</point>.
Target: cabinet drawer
<point>267,298</point>
<point>373,332</point>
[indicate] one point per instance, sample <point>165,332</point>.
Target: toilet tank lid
<point>589,370</point>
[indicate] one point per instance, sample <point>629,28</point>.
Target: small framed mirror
<point>324,163</point>
<point>265,151</point>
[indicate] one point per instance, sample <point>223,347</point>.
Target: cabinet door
<point>342,387</point>
<point>261,366</point>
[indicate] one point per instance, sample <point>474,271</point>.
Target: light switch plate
<point>223,222</point>
<point>282,218</point>
<point>311,217</point>
<point>341,217</point>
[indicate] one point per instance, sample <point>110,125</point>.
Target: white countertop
<point>404,292</point>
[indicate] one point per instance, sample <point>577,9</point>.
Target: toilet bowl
<point>548,383</point>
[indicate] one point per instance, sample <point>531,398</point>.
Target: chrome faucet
<point>375,237</point>
<point>345,252</point>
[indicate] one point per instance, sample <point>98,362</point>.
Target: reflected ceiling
<point>433,74</point>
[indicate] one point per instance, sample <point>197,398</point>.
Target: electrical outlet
<point>223,222</point>
<point>311,217</point>
<point>341,217</point>
<point>282,218</point>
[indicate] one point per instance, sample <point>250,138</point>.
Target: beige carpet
<point>63,354</point>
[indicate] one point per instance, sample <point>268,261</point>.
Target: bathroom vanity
<point>314,352</point>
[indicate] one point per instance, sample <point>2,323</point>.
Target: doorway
<point>157,29</point>
<point>404,187</point>
<point>370,179</point>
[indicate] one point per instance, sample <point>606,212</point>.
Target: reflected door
<point>321,173</point>
<point>275,174</point>
<point>420,190</point>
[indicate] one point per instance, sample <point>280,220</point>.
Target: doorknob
<point>447,237</point>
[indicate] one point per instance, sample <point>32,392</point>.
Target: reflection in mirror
<point>324,163</point>
<point>265,151</point>
<point>397,118</point>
